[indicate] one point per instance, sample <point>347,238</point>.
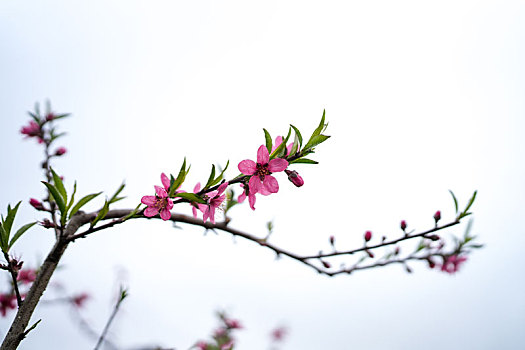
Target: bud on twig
<point>35,203</point>
<point>326,264</point>
<point>368,236</point>
<point>60,151</point>
<point>403,225</point>
<point>332,240</point>
<point>437,216</point>
<point>295,178</point>
<point>434,237</point>
<point>47,224</point>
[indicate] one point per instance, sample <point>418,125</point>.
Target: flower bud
<point>403,225</point>
<point>326,264</point>
<point>332,240</point>
<point>434,237</point>
<point>295,178</point>
<point>431,263</point>
<point>60,151</point>
<point>368,235</point>
<point>370,254</point>
<point>47,224</point>
<point>50,116</point>
<point>35,203</point>
<point>437,216</point>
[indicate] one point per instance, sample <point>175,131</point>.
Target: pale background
<point>421,97</point>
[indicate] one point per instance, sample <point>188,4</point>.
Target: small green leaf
<point>268,140</point>
<point>179,180</point>
<point>35,117</point>
<point>82,202</point>
<point>455,200</point>
<point>114,198</point>
<point>72,200</point>
<point>471,201</point>
<point>219,178</point>
<point>303,161</point>
<point>4,237</point>
<point>11,213</point>
<point>211,178</point>
<point>280,151</point>
<point>59,185</point>
<point>298,134</point>
<point>315,140</point>
<point>295,145</point>
<point>56,196</point>
<point>19,233</point>
<point>133,212</point>
<point>101,214</point>
<point>192,197</point>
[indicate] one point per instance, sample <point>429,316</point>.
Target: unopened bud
<point>437,216</point>
<point>326,264</point>
<point>35,203</point>
<point>60,151</point>
<point>368,235</point>
<point>50,117</point>
<point>370,254</point>
<point>47,224</point>
<point>397,250</point>
<point>295,178</point>
<point>403,225</point>
<point>431,263</point>
<point>332,240</point>
<point>434,237</point>
<point>409,270</point>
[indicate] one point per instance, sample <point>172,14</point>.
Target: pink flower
<point>233,324</point>
<point>7,301</point>
<point>214,200</point>
<point>261,179</point>
<point>295,178</point>
<point>158,203</point>
<point>60,151</point>
<point>26,276</point>
<point>278,141</point>
<point>80,299</point>
<point>33,130</point>
<point>35,203</point>
<point>452,263</point>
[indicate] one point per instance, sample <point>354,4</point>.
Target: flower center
<point>161,203</point>
<point>262,171</point>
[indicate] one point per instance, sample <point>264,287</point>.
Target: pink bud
<point>332,240</point>
<point>36,204</point>
<point>437,216</point>
<point>60,151</point>
<point>370,254</point>
<point>80,299</point>
<point>434,237</point>
<point>403,225</point>
<point>431,263</point>
<point>50,116</point>
<point>295,178</point>
<point>368,235</point>
<point>47,224</point>
<point>326,264</point>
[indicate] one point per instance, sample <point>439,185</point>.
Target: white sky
<point>421,97</point>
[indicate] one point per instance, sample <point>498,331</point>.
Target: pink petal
<point>255,184</point>
<point>247,167</point>
<point>251,200</point>
<point>165,214</point>
<point>278,141</point>
<point>165,181</point>
<point>149,200</point>
<point>262,155</point>
<point>151,211</point>
<point>271,184</point>
<point>170,204</point>
<point>197,187</point>
<point>264,191</point>
<point>222,187</point>
<point>194,211</point>
<point>161,192</point>
<point>241,197</point>
<point>277,165</point>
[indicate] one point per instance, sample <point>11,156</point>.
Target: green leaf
<point>35,117</point>
<point>268,139</point>
<point>57,197</point>
<point>303,161</point>
<point>211,178</point>
<point>471,201</point>
<point>281,149</point>
<point>455,200</point>
<point>4,237</point>
<point>219,178</point>
<point>315,140</point>
<point>11,213</point>
<point>133,212</point>
<point>298,134</point>
<point>180,179</point>
<point>19,233</point>
<point>114,198</point>
<point>59,185</point>
<point>192,197</point>
<point>60,116</point>
<point>72,200</point>
<point>82,202</point>
<point>101,214</point>
<point>295,145</point>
